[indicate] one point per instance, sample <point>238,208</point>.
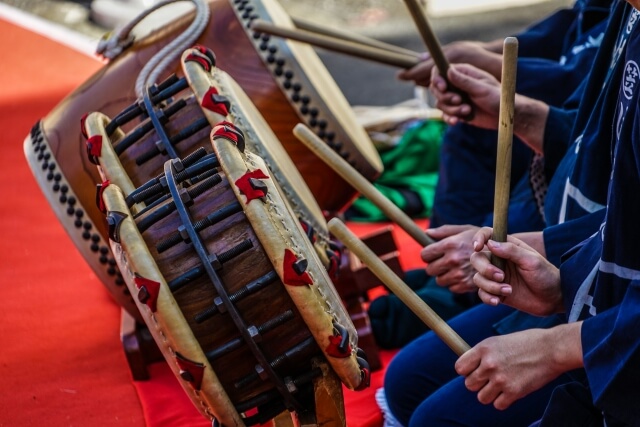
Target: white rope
<point>167,55</point>
<point>114,43</point>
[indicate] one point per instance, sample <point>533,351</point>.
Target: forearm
<point>530,120</point>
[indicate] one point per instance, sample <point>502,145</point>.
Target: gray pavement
<point>363,82</point>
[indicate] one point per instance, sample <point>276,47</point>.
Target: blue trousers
<point>423,389</point>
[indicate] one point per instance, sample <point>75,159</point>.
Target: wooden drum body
<point>231,288</point>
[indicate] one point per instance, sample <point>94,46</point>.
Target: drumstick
<point>357,181</point>
<point>428,36</point>
<point>398,287</point>
<point>305,25</point>
<point>352,48</point>
<point>505,140</point>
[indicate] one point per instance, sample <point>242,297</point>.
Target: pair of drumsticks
<point>371,49</point>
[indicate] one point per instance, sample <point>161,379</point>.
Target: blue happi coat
<point>555,56</point>
<point>601,276</point>
<point>580,164</point>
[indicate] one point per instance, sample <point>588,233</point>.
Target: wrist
<point>566,344</point>
<point>530,120</point>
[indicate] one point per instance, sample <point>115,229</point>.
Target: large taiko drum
<point>286,81</point>
<point>231,288</point>
<point>174,120</point>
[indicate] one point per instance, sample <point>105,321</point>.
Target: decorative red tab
<point>83,124</point>
<point>365,381</point>
<point>308,230</point>
<point>225,130</point>
<point>200,59</point>
<point>148,291</point>
<point>291,276</point>
<point>216,103</point>
<point>244,184</point>
<point>230,132</point>
<point>333,269</point>
<point>335,260</point>
<point>99,191</point>
<point>190,371</point>
<point>94,148</point>
<point>333,349</point>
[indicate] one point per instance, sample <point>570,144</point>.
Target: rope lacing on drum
<point>114,43</point>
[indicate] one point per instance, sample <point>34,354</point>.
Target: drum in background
<point>286,81</point>
<point>231,288</point>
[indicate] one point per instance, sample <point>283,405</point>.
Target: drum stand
<point>355,280</point>
<point>328,408</point>
<point>139,347</point>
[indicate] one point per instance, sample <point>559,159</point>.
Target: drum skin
<point>286,82</point>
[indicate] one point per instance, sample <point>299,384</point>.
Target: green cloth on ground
<point>410,169</point>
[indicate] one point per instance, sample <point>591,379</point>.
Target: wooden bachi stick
<point>305,25</point>
<point>360,183</point>
<point>359,50</point>
<point>505,140</point>
<point>428,36</point>
<point>398,287</point>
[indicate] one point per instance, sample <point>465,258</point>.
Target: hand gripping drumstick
<point>360,183</point>
<point>398,287</point>
<point>505,140</point>
<point>428,36</point>
<point>433,46</point>
<point>349,47</point>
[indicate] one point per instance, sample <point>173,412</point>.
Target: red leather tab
<point>291,276</point>
<point>230,132</point>
<point>148,291</point>
<point>99,191</point>
<point>204,62</point>
<point>203,56</point>
<point>94,148</point>
<point>212,101</point>
<point>308,230</point>
<point>333,269</point>
<point>244,184</point>
<point>333,349</point>
<point>366,379</point>
<point>190,371</point>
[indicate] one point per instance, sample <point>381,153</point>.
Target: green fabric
<point>410,165</point>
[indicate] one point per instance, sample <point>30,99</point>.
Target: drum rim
<point>248,119</point>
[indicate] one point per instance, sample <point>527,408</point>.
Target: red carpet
<point>62,363</point>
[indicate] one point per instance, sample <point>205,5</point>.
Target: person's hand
<point>481,88</point>
<point>503,369</point>
<point>448,258</point>
<point>529,282</point>
<point>467,52</point>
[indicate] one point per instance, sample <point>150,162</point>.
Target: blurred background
<point>363,82</point>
